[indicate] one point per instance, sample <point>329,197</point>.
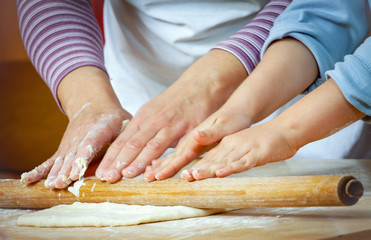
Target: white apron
<point>150,43</point>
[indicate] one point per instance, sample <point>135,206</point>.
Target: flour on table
<point>108,214</point>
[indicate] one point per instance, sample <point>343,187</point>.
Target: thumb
<point>213,130</point>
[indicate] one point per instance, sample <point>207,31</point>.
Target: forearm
<point>330,29</point>
<point>60,36</point>
<point>321,113</point>
<point>216,75</point>
<point>87,86</point>
<point>286,70</point>
<point>245,46</point>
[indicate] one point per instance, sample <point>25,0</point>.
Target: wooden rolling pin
<point>301,191</point>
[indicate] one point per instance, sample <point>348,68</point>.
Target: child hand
<point>242,151</point>
<point>203,138</point>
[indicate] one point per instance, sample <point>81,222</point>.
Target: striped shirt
<point>62,35</point>
<point>246,44</point>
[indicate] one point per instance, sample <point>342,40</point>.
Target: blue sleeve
<point>353,76</point>
<point>329,29</point>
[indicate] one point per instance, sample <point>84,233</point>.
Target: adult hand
<point>95,119</point>
<point>85,136</point>
<point>162,122</point>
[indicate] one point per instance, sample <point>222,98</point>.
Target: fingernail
<point>130,171</point>
<point>102,179</point>
<point>147,177</point>
<point>98,173</point>
<point>49,183</point>
<point>186,173</point>
<point>196,171</point>
<point>201,133</point>
<point>25,178</point>
<point>157,176</point>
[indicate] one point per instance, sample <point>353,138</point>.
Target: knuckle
<point>154,145</point>
<point>247,163</point>
<point>219,121</point>
<point>118,143</point>
<point>142,165</point>
<point>134,144</point>
<point>226,142</point>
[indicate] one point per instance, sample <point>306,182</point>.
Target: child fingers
<point>237,166</point>
<point>187,175</point>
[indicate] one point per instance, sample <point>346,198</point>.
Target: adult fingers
<point>87,149</point>
<point>38,172</point>
<point>53,174</point>
<point>122,152</point>
<point>63,177</point>
<point>153,150</point>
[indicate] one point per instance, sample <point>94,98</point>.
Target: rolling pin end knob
<point>354,189</point>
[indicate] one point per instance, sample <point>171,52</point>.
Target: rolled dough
<point>108,214</point>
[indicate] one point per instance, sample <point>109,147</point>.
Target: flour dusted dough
<point>108,214</point>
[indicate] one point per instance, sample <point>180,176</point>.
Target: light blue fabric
<point>332,30</point>
<point>353,76</point>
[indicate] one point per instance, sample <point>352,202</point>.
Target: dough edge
<point>108,214</point>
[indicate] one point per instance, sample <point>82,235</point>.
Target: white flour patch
<point>92,188</point>
<point>75,189</point>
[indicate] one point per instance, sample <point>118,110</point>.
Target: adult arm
<point>60,36</point>
<point>64,43</point>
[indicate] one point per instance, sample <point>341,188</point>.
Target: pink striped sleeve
<point>247,43</point>
<point>60,36</point>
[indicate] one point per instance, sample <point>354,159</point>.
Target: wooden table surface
<point>271,223</point>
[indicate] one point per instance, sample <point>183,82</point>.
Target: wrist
<point>218,74</point>
<point>86,88</point>
<point>290,129</point>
